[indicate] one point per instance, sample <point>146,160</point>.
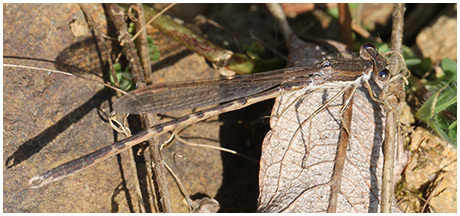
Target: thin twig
<point>66,74</point>
<point>180,139</point>
<point>153,19</point>
<point>364,33</point>
<point>159,175</point>
<point>142,47</point>
<point>277,11</point>
<point>142,44</point>
<point>101,44</point>
<point>181,186</point>
<point>393,96</point>
<point>345,25</point>
<point>117,17</point>
<point>346,33</point>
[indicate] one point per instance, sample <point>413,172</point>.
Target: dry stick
<point>416,196</point>
<point>345,25</point>
<point>364,33</point>
<point>341,156</point>
<point>142,47</point>
<point>393,96</point>
<point>105,50</point>
<point>179,183</point>
<point>159,174</point>
<point>197,43</point>
<point>185,142</point>
<point>125,130</point>
<point>116,15</point>
<point>226,59</point>
<point>346,33</point>
<point>118,22</point>
<point>100,41</point>
<point>277,11</point>
<point>66,74</point>
<point>142,44</point>
<point>152,19</point>
<point>437,184</point>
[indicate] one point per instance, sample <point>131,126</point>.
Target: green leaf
<point>438,110</point>
<point>252,55</point>
<point>333,12</point>
<point>450,69</point>
<point>425,64</point>
<point>125,78</point>
<point>131,27</point>
<point>382,47</point>
<point>413,62</point>
<point>154,49</point>
<point>450,136</point>
<point>117,68</point>
<point>445,99</point>
<point>452,130</point>
<point>255,48</point>
<point>408,53</point>
<point>420,69</point>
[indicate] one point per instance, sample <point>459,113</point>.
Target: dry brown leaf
<point>298,157</point>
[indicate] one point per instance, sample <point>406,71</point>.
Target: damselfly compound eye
<point>384,74</point>
<point>368,52</point>
<point>368,45</point>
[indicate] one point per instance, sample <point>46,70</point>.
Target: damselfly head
<point>369,52</point>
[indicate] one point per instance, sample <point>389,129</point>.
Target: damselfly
<point>235,93</point>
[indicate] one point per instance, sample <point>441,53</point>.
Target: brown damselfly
<point>235,93</point>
